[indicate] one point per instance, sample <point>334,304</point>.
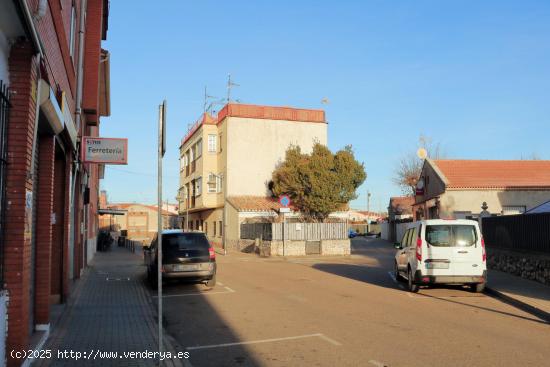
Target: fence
<point>294,231</point>
<point>524,232</point>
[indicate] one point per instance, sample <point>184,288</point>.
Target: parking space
<point>344,311</point>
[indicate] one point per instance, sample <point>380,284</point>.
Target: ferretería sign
<point>105,150</point>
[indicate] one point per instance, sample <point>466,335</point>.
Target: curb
<point>543,315</point>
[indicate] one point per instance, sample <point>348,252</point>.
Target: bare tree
<point>407,171</point>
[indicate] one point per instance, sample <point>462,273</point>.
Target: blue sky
<point>472,75</point>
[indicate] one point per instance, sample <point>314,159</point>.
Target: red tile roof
<point>487,174</point>
<point>254,203</point>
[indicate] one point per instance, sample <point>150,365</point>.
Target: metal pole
<point>224,228</point>
<point>283,234</point>
<point>159,229</point>
<point>187,208</point>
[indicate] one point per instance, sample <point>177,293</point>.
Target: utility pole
<point>368,210</point>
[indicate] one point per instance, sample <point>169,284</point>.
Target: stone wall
<point>298,248</point>
<point>336,247</point>
<point>526,265</point>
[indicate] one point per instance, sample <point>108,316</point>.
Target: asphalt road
<point>344,311</point>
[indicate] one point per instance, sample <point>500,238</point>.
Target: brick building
<point>54,88</point>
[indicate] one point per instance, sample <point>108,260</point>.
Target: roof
<point>494,174</point>
<point>403,204</point>
<point>257,112</point>
<point>247,203</point>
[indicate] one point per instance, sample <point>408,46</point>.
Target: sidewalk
<point>110,310</point>
<point>528,295</point>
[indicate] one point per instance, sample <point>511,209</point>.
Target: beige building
<point>233,155</point>
<point>459,188</point>
<point>139,220</point>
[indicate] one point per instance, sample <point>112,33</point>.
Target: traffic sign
<point>284,200</point>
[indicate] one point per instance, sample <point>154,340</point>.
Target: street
<point>344,311</point>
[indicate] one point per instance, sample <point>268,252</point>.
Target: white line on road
<point>318,335</point>
<point>220,283</point>
<point>227,291</point>
<point>377,363</point>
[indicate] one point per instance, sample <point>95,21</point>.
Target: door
<point>467,252</point>
<point>402,255</point>
<point>438,250</point>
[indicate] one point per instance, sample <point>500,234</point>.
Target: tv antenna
<point>230,85</point>
<point>207,98</point>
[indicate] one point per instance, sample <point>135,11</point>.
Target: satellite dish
<point>422,153</point>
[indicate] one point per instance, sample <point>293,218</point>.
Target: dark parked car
<point>185,255</point>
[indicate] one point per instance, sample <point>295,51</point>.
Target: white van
<point>438,251</point>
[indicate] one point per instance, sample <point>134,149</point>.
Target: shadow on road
<point>198,328</point>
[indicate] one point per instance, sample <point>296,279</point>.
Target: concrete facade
<point>235,154</point>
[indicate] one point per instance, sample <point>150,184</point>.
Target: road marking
<point>318,335</point>
<point>377,363</point>
<point>220,283</point>
<point>227,291</point>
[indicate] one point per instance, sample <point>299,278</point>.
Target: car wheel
<point>412,287</point>
<point>211,283</point>
<point>397,274</point>
<point>477,287</point>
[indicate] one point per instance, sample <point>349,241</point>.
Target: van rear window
<point>451,235</point>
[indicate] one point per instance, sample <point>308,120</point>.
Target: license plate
<point>188,267</point>
<point>437,265</point>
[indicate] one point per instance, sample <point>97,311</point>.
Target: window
<point>206,227</point>
<point>198,148</point>
<point>73,29</point>
<point>212,183</point>
<point>221,228</point>
<point>405,239</point>
<point>214,225</point>
<point>182,163</point>
<point>451,235</point>
<point>221,135</point>
<point>212,143</point>
<point>198,186</point>
<point>219,182</point>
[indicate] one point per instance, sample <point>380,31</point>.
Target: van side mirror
<point>397,245</point>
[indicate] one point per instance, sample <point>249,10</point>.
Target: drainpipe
<point>80,76</point>
<point>78,122</point>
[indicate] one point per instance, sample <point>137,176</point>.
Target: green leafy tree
<point>318,183</point>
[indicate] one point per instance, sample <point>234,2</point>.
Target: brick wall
<point>17,261</point>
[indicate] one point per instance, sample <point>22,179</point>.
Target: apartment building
<point>54,88</point>
<point>233,155</point>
